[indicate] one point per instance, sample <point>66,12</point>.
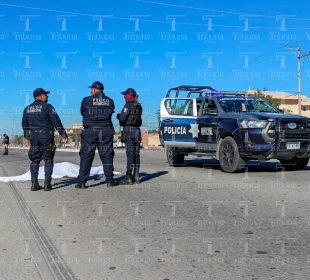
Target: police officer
<point>97,111</point>
<point>130,119</point>
<point>39,121</point>
<point>6,142</point>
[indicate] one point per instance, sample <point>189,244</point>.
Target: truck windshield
<point>246,104</point>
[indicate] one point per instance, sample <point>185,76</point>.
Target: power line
<point>45,9</point>
<point>112,17</point>
<point>287,17</point>
<point>97,15</point>
<point>202,9</point>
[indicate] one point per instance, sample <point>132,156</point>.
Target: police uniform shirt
<point>41,117</point>
<point>97,111</point>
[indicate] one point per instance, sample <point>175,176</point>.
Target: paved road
<point>190,222</point>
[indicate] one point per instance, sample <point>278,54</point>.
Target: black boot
<point>81,186</point>
<point>35,185</point>
<point>128,178</point>
<point>111,184</point>
<point>48,184</point>
<point>136,175</point>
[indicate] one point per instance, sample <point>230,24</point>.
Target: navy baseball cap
<point>130,91</point>
<point>39,91</point>
<point>97,85</point>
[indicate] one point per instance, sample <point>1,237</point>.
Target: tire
<point>295,163</point>
<point>174,157</point>
<point>229,156</point>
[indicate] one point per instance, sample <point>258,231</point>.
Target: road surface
<point>190,222</point>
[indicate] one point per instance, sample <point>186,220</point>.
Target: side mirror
<point>281,111</point>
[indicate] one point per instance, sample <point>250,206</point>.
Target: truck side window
<point>209,107</point>
<point>179,107</point>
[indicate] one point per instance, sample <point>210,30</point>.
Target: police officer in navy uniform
<point>97,111</point>
<point>6,142</point>
<point>130,119</point>
<point>39,122</point>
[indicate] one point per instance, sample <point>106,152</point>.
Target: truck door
<point>178,122</point>
<point>208,126</point>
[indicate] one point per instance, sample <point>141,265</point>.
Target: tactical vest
<point>134,118</point>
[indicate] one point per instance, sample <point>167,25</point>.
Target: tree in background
<point>274,102</point>
<point>17,140</point>
<point>74,137</point>
<point>58,140</point>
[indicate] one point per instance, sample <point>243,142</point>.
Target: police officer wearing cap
<point>130,119</point>
<point>97,111</point>
<point>39,122</point>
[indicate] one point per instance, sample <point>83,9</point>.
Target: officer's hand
<point>66,140</point>
<point>29,144</point>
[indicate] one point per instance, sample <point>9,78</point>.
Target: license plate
<point>293,145</point>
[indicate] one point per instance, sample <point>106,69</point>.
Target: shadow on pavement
<point>252,165</point>
<point>145,176</point>
<point>149,176</point>
<point>66,182</point>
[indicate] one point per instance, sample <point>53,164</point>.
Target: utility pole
<point>299,80</point>
<point>299,56</point>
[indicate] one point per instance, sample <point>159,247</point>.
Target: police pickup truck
<point>231,127</point>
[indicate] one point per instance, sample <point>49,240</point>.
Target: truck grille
<point>293,129</point>
<point>300,125</point>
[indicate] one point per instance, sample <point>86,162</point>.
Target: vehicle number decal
<point>206,131</point>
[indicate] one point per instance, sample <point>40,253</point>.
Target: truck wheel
<point>174,157</point>
<point>295,163</point>
<point>229,157</point>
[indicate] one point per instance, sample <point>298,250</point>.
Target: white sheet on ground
<point>62,169</point>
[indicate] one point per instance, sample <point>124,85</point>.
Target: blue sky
<point>63,46</point>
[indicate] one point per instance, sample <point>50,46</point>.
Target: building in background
<point>150,139</point>
<point>74,134</point>
<point>287,101</point>
<point>75,129</point>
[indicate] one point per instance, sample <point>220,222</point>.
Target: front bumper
<point>274,151</point>
<point>253,145</point>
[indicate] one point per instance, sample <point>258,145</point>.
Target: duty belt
<point>41,131</point>
<point>98,127</point>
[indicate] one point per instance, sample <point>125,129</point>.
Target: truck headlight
<point>253,124</point>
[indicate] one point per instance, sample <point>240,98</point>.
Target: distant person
<point>130,118</point>
<point>39,121</point>
<point>97,111</point>
<point>6,142</point>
